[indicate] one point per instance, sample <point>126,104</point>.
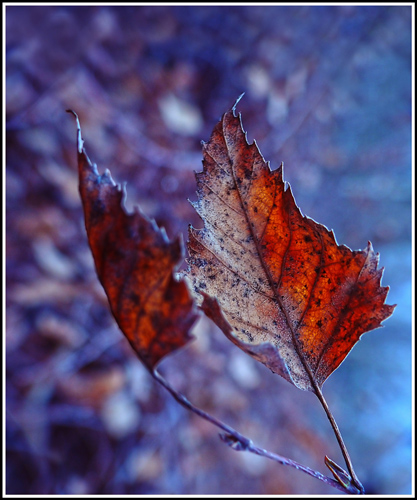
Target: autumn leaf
<point>136,264</point>
<point>275,281</point>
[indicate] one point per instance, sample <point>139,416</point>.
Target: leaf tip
<point>370,248</point>
<point>107,176</point>
<point>237,102</point>
<point>80,142</point>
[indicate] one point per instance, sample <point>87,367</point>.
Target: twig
<point>342,445</point>
<point>241,443</point>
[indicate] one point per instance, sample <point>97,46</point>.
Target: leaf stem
<point>239,442</point>
<point>339,438</point>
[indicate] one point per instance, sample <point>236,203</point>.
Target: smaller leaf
<point>136,263</point>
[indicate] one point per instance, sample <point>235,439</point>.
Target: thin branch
<point>241,443</point>
<point>354,477</point>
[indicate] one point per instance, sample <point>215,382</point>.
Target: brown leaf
<point>135,262</point>
<point>287,293</point>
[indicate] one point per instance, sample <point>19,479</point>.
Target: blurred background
<point>328,92</point>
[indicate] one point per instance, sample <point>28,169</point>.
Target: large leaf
<point>136,264</point>
<point>275,281</point>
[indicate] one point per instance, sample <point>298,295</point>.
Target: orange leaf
<point>135,262</point>
<point>287,293</point>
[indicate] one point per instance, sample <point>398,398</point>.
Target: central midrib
<point>267,271</point>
